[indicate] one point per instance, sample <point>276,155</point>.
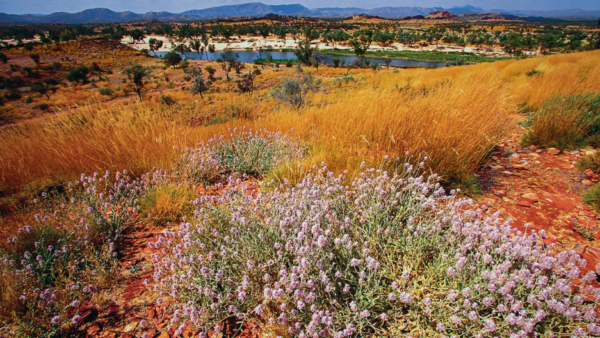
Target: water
<point>250,56</point>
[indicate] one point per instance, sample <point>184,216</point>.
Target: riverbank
<point>426,55</point>
<point>397,51</point>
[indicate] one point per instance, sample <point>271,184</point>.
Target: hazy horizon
<point>143,6</point>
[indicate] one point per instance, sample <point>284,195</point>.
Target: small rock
<point>594,252</point>
<point>163,334</point>
<point>151,313</point>
<point>112,309</point>
<point>553,151</point>
<point>130,327</point>
<point>588,173</point>
<point>500,193</point>
<point>590,152</point>
<point>524,203</point>
<point>534,155</point>
<point>530,197</point>
<point>507,173</point>
<point>520,166</point>
<point>580,248</point>
<point>576,152</point>
<point>88,314</point>
<point>532,147</point>
<point>587,182</point>
<point>495,158</point>
<point>539,151</point>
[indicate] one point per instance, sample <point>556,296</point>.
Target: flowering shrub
<point>389,253</point>
<point>244,152</point>
<point>55,264</point>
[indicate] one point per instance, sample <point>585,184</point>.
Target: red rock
<point>580,249</point>
<point>588,173</point>
<point>595,252</point>
<point>532,147</point>
<point>524,203</point>
<point>88,314</point>
<point>530,197</point>
<point>587,182</point>
<point>151,313</point>
<point>112,309</point>
<point>500,193</point>
<point>553,151</point>
<point>163,334</point>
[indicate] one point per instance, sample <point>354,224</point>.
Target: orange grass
<point>453,115</point>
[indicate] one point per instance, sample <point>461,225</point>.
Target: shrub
<point>54,264</point>
<point>166,100</point>
<point>591,162</point>
<point>533,72</point>
<point>78,74</point>
<point>592,197</point>
<point>564,122</point>
<point>166,203</point>
<point>43,106</point>
<point>293,91</point>
<point>388,250</point>
<point>105,91</point>
<point>244,152</point>
<point>12,96</point>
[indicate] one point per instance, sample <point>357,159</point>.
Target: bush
<point>370,258</point>
<point>11,96</point>
<point>564,122</point>
<point>591,162</point>
<point>43,106</point>
<point>78,74</point>
<point>54,264</point>
<point>244,152</point>
<point>592,197</point>
<point>105,91</point>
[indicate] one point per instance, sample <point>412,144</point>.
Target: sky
<point>177,6</point>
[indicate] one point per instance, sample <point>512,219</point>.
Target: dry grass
<point>453,115</point>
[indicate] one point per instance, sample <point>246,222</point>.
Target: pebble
<point>553,151</point>
<point>524,203</point>
<point>530,197</point>
<point>587,182</point>
<point>576,152</point>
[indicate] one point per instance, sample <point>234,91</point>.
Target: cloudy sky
<point>176,6</point>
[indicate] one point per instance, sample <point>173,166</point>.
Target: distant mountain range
<point>103,15</point>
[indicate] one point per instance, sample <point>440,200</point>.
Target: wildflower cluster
<point>244,152</point>
<point>389,250</point>
<point>55,263</point>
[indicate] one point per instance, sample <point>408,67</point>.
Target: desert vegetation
<point>172,196</point>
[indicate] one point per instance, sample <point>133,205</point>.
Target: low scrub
<point>66,253</point>
<point>564,122</point>
<point>387,255</point>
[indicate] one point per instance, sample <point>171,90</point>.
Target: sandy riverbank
<point>255,42</point>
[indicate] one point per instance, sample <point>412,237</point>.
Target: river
<point>250,56</point>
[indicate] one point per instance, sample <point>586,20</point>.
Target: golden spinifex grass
<point>453,115</point>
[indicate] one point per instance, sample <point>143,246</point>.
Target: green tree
<point>318,57</point>
<point>172,58</point>
<point>136,35</point>
<point>136,75</point>
<point>155,44</point>
<point>304,52</point>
